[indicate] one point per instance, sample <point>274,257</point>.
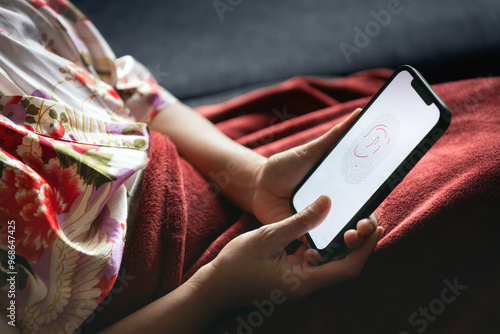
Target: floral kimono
<point>73,143</point>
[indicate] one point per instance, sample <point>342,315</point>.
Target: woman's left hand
<point>254,266</point>
<point>281,173</point>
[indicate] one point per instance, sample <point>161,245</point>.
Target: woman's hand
<point>278,176</point>
<point>252,268</point>
<point>255,267</point>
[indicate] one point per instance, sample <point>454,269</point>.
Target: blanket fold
<point>437,268</point>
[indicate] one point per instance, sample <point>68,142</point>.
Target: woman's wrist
<point>243,185</point>
<point>190,308</point>
<point>210,284</point>
<point>229,166</point>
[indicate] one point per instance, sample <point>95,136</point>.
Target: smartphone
<point>387,139</point>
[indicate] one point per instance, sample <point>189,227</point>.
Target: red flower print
<point>28,127</point>
<point>153,114</point>
<point>80,77</point>
<point>105,286</point>
<point>113,93</point>
<point>10,139</point>
<point>82,148</point>
<point>34,190</point>
<point>83,76</point>
<point>57,129</point>
<point>26,199</point>
<point>38,3</point>
<point>64,182</point>
<point>15,100</point>
<point>59,6</point>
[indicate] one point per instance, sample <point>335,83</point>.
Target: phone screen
<point>381,139</point>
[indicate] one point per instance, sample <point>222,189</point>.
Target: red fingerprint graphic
<point>380,138</point>
<point>370,148</point>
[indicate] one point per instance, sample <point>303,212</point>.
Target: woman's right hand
<point>254,266</point>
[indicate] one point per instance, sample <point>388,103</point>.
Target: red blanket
<point>437,270</point>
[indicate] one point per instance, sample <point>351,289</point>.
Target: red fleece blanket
<point>437,269</point>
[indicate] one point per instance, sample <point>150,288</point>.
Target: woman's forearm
<point>190,308</point>
<point>221,160</point>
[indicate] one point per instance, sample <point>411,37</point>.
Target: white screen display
<point>367,155</point>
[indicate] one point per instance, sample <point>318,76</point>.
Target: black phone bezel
<point>338,244</point>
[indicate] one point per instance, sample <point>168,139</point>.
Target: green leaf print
<point>140,143</point>
<point>92,166</point>
<point>99,175</point>
<point>53,114</point>
<point>128,131</point>
<point>30,119</point>
<point>32,110</point>
<point>63,118</point>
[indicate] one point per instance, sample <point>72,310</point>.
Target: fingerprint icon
<point>370,148</point>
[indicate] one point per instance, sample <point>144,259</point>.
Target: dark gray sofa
<point>206,51</point>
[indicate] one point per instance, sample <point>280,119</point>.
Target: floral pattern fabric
<point>73,138</point>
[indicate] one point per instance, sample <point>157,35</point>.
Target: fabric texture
<point>435,270</point>
<point>73,140</point>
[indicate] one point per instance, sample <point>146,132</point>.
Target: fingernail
<point>373,226</point>
<point>321,204</point>
<point>381,232</point>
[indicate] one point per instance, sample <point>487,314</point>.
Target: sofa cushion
<point>203,48</point>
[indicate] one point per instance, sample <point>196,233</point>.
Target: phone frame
<point>429,96</point>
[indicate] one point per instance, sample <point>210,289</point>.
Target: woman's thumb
<point>314,150</point>
<point>299,224</point>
